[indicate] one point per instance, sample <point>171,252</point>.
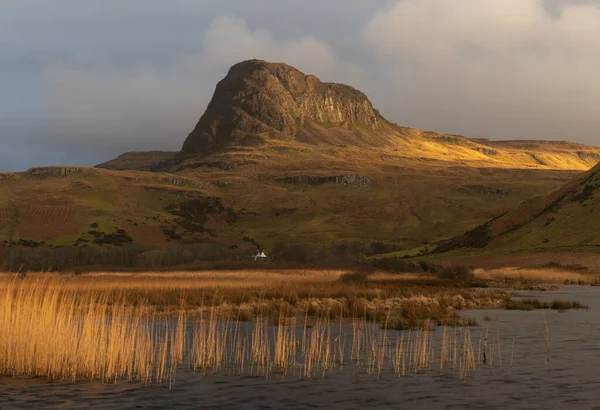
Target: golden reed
<point>48,330</point>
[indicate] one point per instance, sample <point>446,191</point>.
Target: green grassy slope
<point>565,221</point>
<point>86,206</point>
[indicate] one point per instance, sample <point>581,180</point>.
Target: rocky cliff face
<point>55,172</point>
<point>349,180</point>
<point>258,99</point>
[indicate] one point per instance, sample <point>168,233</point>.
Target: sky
<point>83,81</point>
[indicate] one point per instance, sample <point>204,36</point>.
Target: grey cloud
<point>46,144</point>
<point>98,103</point>
<point>496,69</point>
<point>84,81</point>
<point>6,164</point>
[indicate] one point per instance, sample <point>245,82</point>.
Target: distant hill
<point>278,157</point>
<point>141,161</point>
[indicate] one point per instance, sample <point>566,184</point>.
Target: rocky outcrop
<point>485,190</point>
<point>350,180</point>
<point>175,180</point>
<point>6,176</point>
<point>55,172</point>
<point>537,159</point>
<point>589,156</point>
<point>216,165</point>
<point>258,99</point>
<point>448,139</point>
<point>485,151</point>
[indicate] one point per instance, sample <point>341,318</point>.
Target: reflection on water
<point>553,365</point>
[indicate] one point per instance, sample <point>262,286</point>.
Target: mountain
<point>278,157</point>
<point>264,107</point>
<point>262,104</point>
<point>259,100</point>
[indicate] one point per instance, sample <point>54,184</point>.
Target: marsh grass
<point>534,304</point>
<point>567,305</point>
<point>105,328</point>
<point>243,295</point>
<point>47,332</point>
<point>542,278</point>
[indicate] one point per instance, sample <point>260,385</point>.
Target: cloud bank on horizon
<point>85,81</point>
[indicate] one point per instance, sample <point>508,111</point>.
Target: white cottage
<point>260,256</point>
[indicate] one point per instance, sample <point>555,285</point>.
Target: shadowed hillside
<point>564,221</point>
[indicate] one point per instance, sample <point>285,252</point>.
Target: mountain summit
<point>274,106</point>
<point>258,99</point>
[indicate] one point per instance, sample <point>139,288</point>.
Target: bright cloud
<point>492,68</point>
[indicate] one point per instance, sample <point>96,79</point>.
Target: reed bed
<point>534,304</point>
<point>48,330</point>
<point>536,276</point>
<point>45,332</point>
<point>244,294</point>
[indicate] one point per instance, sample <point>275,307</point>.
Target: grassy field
<point>406,205</point>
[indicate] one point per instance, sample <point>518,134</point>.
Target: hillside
<point>564,220</point>
<point>84,206</point>
<point>141,161</point>
<point>280,157</point>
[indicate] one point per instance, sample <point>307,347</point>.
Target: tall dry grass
<point>245,294</point>
<point>540,275</point>
<point>51,328</point>
<point>45,331</point>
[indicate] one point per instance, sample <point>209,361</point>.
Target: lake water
<point>564,377</point>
